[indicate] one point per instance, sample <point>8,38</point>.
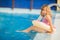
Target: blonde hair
<point>47,9</point>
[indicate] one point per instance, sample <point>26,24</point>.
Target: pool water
<point>9,23</point>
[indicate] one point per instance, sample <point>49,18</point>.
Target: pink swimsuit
<point>44,20</point>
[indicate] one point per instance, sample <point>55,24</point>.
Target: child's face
<point>44,11</point>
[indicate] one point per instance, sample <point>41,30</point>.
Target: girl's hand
<point>48,32</point>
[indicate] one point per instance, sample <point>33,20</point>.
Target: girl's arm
<point>50,23</point>
<point>39,18</point>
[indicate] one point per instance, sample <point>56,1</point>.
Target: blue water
<point>9,23</point>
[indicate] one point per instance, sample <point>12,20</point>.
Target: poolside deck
<point>56,36</point>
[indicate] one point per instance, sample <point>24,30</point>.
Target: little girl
<point>46,18</point>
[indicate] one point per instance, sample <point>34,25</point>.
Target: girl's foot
<point>22,31</point>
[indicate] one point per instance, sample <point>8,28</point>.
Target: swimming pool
<point>11,21</point>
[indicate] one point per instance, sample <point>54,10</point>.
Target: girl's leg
<point>29,29</point>
<point>38,29</point>
<point>34,28</point>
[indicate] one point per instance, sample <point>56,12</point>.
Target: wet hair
<point>44,6</point>
<point>47,9</point>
